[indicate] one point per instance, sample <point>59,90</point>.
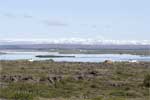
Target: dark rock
<point>94,73</point>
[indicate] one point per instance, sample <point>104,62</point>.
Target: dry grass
<point>74,81</point>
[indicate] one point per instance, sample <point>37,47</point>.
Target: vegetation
<point>146,81</point>
<point>144,52</point>
<point>45,80</point>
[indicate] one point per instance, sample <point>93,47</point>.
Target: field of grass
<point>47,80</point>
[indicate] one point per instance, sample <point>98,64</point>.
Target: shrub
<point>118,93</point>
<point>97,98</point>
<point>23,96</point>
<point>146,81</point>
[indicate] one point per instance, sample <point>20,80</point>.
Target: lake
<point>76,58</point>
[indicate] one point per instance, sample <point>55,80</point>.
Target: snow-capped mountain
<point>74,41</point>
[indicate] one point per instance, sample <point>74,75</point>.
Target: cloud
<point>53,23</point>
<point>15,15</point>
<point>94,26</point>
<point>12,15</point>
<point>27,16</point>
<point>89,25</point>
<point>9,15</point>
<point>45,21</point>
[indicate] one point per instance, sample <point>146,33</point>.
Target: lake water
<point>77,58</point>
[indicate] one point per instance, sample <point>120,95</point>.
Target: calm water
<point>77,58</point>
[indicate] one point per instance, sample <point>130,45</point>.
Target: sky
<point>93,19</point>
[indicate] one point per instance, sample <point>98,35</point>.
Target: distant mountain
<point>72,47</point>
<point>72,43</point>
<point>79,41</point>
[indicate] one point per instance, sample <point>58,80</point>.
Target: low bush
<point>146,81</point>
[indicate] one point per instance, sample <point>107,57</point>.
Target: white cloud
<point>53,23</point>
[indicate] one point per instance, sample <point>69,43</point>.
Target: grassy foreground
<point>47,80</point>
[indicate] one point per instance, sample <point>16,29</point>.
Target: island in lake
<point>53,56</point>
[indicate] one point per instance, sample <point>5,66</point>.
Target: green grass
<point>81,81</point>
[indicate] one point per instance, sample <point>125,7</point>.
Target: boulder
<point>108,61</point>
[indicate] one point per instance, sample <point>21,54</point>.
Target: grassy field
<point>48,80</point>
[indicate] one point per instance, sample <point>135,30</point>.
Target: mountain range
<point>73,43</point>
<point>80,41</point>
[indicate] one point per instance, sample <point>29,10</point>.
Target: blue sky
<point>102,19</point>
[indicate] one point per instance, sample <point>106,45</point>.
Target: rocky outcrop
<point>108,61</point>
<point>18,78</point>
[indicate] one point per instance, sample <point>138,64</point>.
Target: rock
<point>51,79</point>
<point>79,77</point>
<point>27,78</point>
<point>108,61</point>
<point>13,78</point>
<point>43,79</point>
<point>117,84</point>
<point>94,73</point>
